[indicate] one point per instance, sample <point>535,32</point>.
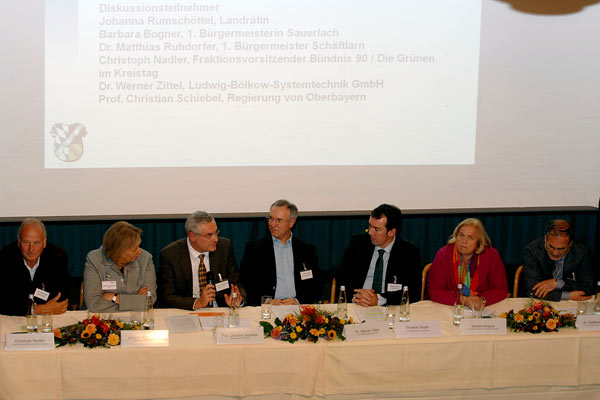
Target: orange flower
<point>276,332</point>
<point>551,324</point>
<point>98,336</point>
<point>342,321</point>
<point>91,328</point>
<point>119,324</point>
<point>519,318</point>
<point>85,334</point>
<point>293,335</point>
<point>314,332</point>
<point>293,321</point>
<point>322,331</point>
<point>299,328</point>
<point>320,319</point>
<point>113,339</point>
<point>57,333</point>
<point>306,318</point>
<point>331,334</point>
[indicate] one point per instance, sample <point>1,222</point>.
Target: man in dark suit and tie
<point>281,265</point>
<point>185,264</point>
<point>378,263</point>
<point>555,268</point>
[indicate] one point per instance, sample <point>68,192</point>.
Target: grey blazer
<point>99,268</point>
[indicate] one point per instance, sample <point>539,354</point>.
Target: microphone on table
<point>210,279</point>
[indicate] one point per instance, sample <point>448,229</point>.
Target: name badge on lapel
<point>306,273</point>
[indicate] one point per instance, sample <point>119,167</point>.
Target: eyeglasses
<point>557,249</point>
<point>277,221</point>
<point>210,235</point>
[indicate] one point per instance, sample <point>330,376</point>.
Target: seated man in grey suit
<point>555,268</point>
<point>281,265</point>
<point>187,265</point>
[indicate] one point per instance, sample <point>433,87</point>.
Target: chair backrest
<point>516,284</point>
<point>332,298</point>
<point>424,280</point>
<point>81,296</point>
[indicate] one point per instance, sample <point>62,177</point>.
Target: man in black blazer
<point>280,265</point>
<point>178,278</point>
<point>555,268</point>
<point>380,255</point>
<point>33,254</point>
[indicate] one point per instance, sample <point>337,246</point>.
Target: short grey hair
<point>31,221</point>
<point>191,223</point>
<point>284,203</point>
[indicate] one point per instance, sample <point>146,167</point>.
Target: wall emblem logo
<point>68,141</point>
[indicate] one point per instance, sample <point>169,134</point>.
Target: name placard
<point>151,338</point>
<point>483,326</point>
<point>372,330</point>
<point>588,322</point>
<point>250,335</point>
<point>29,341</point>
<point>418,329</point>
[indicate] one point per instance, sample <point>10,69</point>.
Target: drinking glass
<point>46,322</point>
<point>265,307</point>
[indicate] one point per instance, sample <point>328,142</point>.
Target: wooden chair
<point>516,284</point>
<point>81,296</point>
<point>332,297</point>
<point>424,280</point>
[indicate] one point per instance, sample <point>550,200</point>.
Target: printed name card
<point>151,338</point>
<point>417,329</point>
<point>588,322</point>
<point>29,341</point>
<point>372,330</point>
<point>483,326</point>
<point>250,335</point>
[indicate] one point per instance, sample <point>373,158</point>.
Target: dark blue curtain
<point>509,232</point>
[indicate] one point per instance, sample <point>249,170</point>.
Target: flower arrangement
<point>92,332</point>
<point>538,317</point>
<point>311,324</point>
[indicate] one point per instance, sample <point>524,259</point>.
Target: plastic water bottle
<point>404,309</point>
<point>597,300</point>
<point>459,307</point>
<point>234,312</point>
<point>148,316</point>
<point>32,319</point>
<point>342,305</point>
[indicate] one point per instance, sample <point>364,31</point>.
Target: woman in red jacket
<point>470,259</point>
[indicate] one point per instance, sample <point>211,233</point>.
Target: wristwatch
<point>114,299</point>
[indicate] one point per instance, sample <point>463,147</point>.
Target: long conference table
<point>559,365</point>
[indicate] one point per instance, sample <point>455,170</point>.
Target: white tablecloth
<point>546,366</point>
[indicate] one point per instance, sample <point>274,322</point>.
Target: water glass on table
<point>265,307</point>
<point>46,323</point>
<point>478,307</point>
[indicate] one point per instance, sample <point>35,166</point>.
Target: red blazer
<point>441,283</point>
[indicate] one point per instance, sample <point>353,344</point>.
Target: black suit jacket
<point>577,269</point>
<point>404,264</point>
<point>259,273</point>
<point>175,284</point>
<point>52,276</point>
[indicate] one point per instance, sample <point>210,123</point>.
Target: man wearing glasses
<point>186,267</point>
<point>377,264</point>
<point>281,265</point>
<point>555,268</point>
